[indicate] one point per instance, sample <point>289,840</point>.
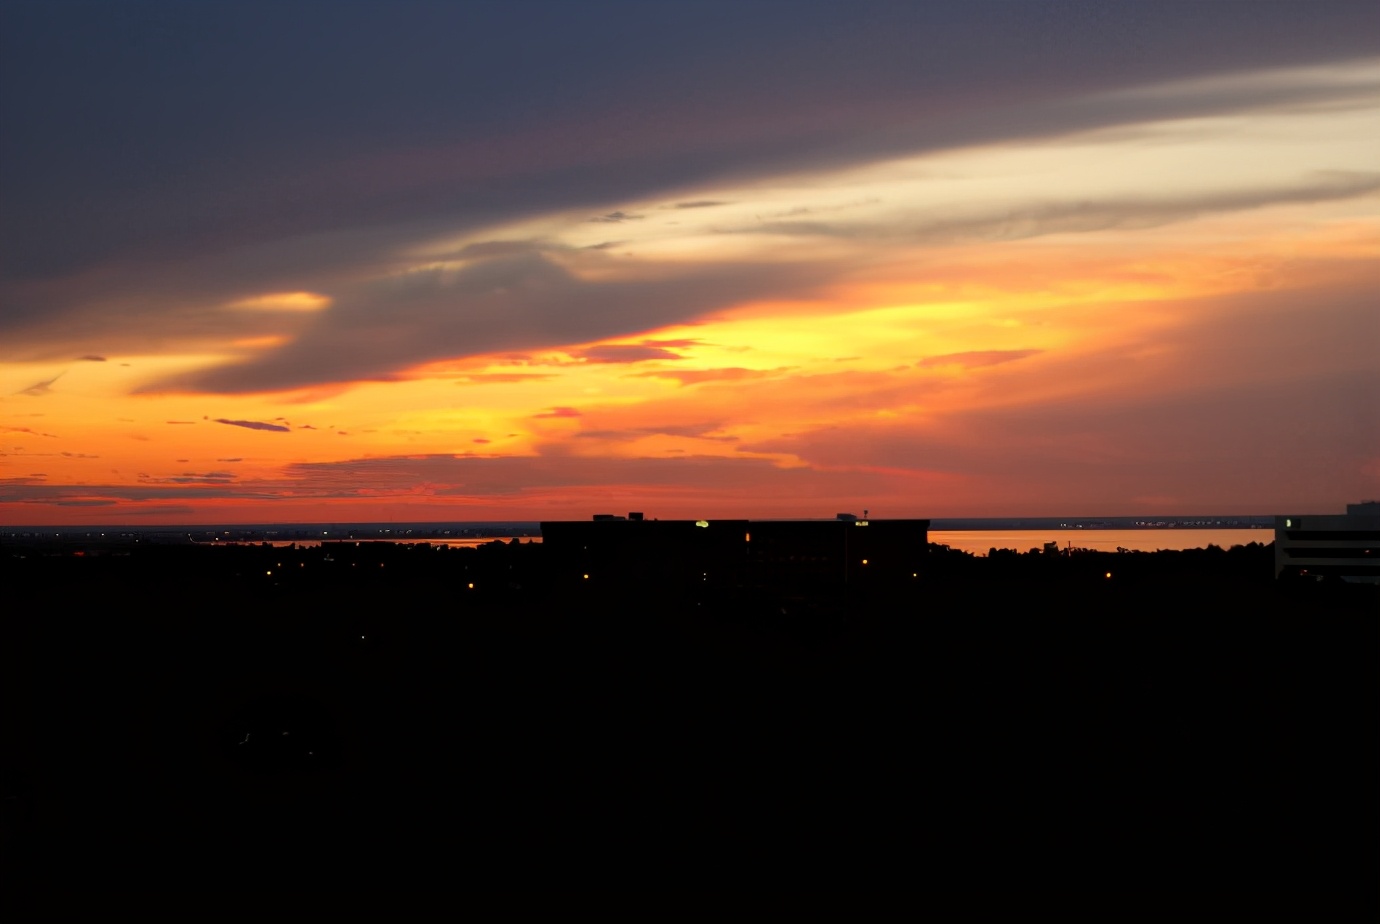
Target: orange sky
<point>1164,315</point>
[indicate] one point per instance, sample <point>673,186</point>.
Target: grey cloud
<point>506,304</point>
<point>1078,217</point>
<point>698,204</point>
<point>191,478</point>
<point>39,389</point>
<point>615,217</point>
<point>105,494</point>
<point>486,249</point>
<point>92,358</point>
<point>176,224</point>
<point>253,425</point>
<point>1042,218</point>
<point>900,74</point>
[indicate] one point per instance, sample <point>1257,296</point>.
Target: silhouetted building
<point>1347,547</point>
<point>754,554</point>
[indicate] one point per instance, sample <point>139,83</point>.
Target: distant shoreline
<point>504,529</point>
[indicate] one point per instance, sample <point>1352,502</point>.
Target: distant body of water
<point>978,541</point>
<point>448,543</point>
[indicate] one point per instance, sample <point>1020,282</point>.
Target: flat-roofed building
<point>1345,546</point>
<point>758,554</point>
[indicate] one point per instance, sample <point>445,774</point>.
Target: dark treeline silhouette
<point>1172,724</point>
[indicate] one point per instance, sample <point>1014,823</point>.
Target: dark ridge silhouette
<point>1177,725</point>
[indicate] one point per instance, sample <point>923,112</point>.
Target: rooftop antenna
<point>864,513</point>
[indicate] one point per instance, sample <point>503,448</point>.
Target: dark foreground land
<point>1186,730</point>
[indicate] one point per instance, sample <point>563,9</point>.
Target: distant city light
<point>702,523</point>
<point>1108,574</point>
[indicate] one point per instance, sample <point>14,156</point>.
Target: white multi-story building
<point>1321,546</point>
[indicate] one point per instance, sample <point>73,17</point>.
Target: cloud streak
<point>505,304</point>
<point>253,425</point>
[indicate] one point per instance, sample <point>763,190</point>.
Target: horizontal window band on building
<point>1327,545</point>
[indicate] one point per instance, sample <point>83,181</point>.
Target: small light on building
<point>1107,575</point>
<point>585,576</point>
<point>471,586</point>
<point>859,522</point>
<point>1289,524</point>
<point>864,561</point>
<point>268,572</point>
<point>747,537</point>
<point>702,524</point>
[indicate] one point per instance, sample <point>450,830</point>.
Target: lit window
<point>703,524</point>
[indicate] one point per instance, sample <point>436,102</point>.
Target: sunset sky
<point>328,262</point>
